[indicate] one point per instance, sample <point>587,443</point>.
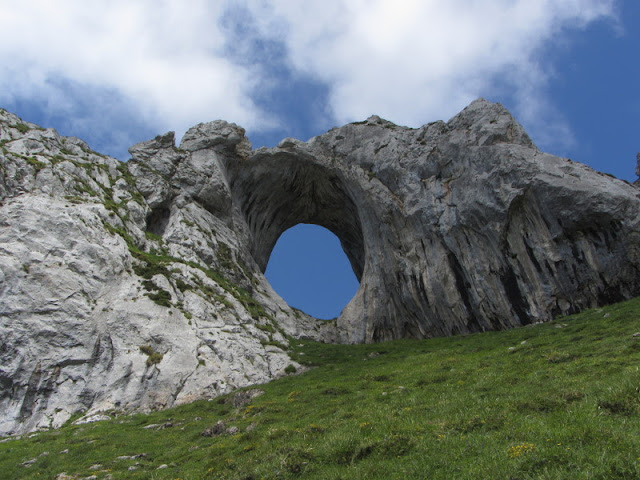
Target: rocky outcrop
<point>119,288</point>
<point>451,228</point>
<point>138,285</point>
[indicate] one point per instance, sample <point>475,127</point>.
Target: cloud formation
<point>166,58</point>
<point>415,61</point>
<point>176,63</point>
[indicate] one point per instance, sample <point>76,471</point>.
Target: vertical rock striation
<point>451,228</point>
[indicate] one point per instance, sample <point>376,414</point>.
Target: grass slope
<point>552,401</point>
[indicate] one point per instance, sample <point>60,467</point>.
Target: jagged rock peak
<point>218,134</point>
<point>139,285</point>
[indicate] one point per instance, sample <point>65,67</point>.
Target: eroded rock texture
<point>140,285</point>
<point>451,228</point>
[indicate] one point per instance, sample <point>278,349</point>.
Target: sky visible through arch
<point>119,72</point>
<point>311,272</point>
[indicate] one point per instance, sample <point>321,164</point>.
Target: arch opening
<point>309,269</point>
<point>276,192</point>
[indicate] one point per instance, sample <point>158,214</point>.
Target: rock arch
<point>452,228</point>
<point>278,191</point>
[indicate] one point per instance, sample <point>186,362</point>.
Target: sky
<point>119,72</point>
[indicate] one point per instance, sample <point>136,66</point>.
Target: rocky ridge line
<point>99,312</point>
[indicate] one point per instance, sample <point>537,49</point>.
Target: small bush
<point>149,286</point>
<point>274,343</point>
<point>147,349</point>
<point>22,128</point>
<point>36,164</point>
<point>290,369</point>
<point>153,236</point>
<point>148,270</point>
<point>225,257</point>
<point>182,285</point>
<point>153,357</point>
<point>161,297</point>
<point>266,328</point>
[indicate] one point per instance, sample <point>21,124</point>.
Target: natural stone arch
<point>451,228</point>
<point>313,182</point>
<point>278,191</point>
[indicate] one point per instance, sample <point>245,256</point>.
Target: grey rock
<point>454,227</point>
<point>131,287</point>
<point>218,429</point>
<point>73,311</point>
<point>243,398</point>
<point>252,426</point>
<point>92,418</point>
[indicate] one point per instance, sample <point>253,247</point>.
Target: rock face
<point>140,285</point>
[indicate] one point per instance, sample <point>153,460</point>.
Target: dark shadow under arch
<point>277,192</point>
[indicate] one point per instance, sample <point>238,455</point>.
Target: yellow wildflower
<point>522,449</point>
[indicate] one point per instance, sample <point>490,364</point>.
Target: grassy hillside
<point>550,401</point>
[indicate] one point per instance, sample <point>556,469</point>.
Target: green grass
<point>35,163</point>
<point>553,401</point>
<point>21,127</point>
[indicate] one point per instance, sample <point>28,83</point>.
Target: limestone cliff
<point>140,285</point>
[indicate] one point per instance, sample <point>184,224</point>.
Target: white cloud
<point>411,61</point>
<point>165,57</point>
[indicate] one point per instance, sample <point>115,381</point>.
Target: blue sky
<point>119,72</point>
